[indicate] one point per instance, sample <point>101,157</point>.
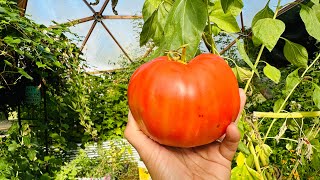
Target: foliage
<point>21,156</point>
<point>108,101</point>
<point>112,162</point>
<point>33,54</point>
<point>271,148</point>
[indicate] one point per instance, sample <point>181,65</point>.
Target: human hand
<point>211,161</point>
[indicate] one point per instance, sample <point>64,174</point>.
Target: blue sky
<point>100,49</point>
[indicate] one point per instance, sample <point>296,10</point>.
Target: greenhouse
<point>159,89</point>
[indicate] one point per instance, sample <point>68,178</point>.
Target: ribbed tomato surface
<point>184,105</point>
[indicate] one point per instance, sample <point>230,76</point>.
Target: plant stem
<point>255,66</point>
<point>294,169</point>
<point>290,93</point>
<point>213,45</point>
<point>184,54</point>
<point>255,157</point>
<point>284,139</point>
<point>261,50</point>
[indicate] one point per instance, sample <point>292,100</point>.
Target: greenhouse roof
<point>107,34</point>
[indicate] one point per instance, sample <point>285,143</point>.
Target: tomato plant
<point>291,91</point>
<point>184,104</point>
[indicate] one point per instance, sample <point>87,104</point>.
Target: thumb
<point>229,145</point>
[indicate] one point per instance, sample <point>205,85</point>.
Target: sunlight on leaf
<point>292,80</point>
<point>225,21</point>
<point>296,54</point>
<point>316,96</point>
<point>311,21</point>
<point>185,24</point>
<point>272,73</point>
<point>153,27</point>
<point>226,4</point>
<point>261,30</point>
<point>245,57</point>
<point>266,12</point>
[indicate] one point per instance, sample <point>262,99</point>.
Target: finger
<point>141,142</point>
<point>243,98</point>
<point>229,145</point>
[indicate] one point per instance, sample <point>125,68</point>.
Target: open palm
<point>212,161</point>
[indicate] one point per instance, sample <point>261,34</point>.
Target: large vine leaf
<point>262,31</point>
<point>241,73</point>
<point>292,80</point>
<point>266,12</point>
<point>272,73</point>
<point>244,173</point>
<point>316,96</point>
<point>226,4</point>
<point>236,7</point>
<point>311,21</point>
<point>245,57</point>
<point>153,27</point>
<point>149,7</point>
<point>185,24</point>
<point>316,9</point>
<point>296,54</point>
<point>225,21</point>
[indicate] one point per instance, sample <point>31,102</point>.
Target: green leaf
<point>254,174</point>
<point>185,24</point>
<point>277,105</point>
<point>245,57</point>
<point>261,30</point>
<point>153,27</point>
<point>292,80</point>
<point>40,65</point>
<point>315,1</point>
<point>26,141</point>
<point>215,29</point>
<point>316,96</point>
<point>266,12</point>
<point>225,21</point>
<point>311,21</point>
<point>226,4</point>
<point>316,9</point>
<point>256,41</point>
<point>264,151</point>
<point>289,146</point>
<point>243,148</point>
<point>296,54</point>
<point>244,173</point>
<point>25,74</point>
<point>241,73</point>
<point>57,63</point>
<point>32,154</point>
<point>8,63</point>
<point>13,146</point>
<point>12,41</point>
<point>236,7</point>
<point>2,10</point>
<point>149,7</point>
<point>272,73</point>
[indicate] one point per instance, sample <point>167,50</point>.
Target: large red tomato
<point>184,105</point>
